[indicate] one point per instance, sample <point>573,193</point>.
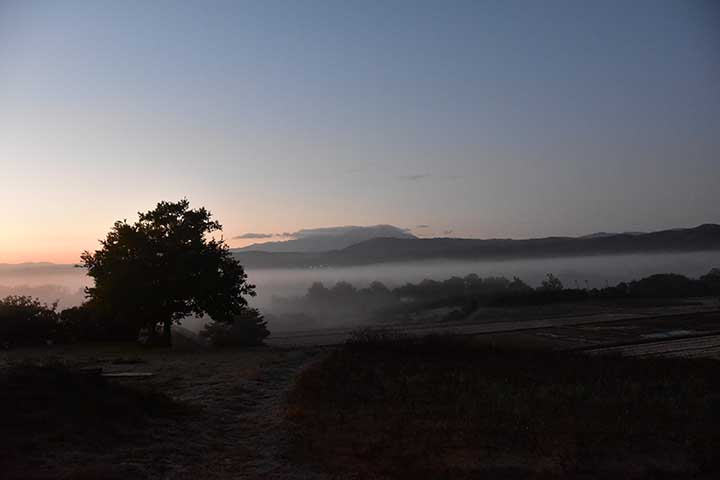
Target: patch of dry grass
<point>385,406</point>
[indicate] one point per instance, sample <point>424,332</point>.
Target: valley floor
<point>565,327</point>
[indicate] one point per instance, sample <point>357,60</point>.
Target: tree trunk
<point>167,333</point>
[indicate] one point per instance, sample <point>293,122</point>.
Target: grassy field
<point>385,406</point>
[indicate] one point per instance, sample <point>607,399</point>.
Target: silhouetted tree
<point>473,284</point>
<point>453,287</point>
<point>712,276</point>
<point>711,281</point>
<point>318,292</point>
<point>247,329</point>
<point>494,285</point>
<point>518,286</point>
<point>166,266</point>
<point>665,284</point>
<point>342,291</point>
<point>551,284</point>
<point>378,288</point>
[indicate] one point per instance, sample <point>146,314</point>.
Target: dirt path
<point>244,420</point>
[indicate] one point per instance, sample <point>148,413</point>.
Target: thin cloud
<point>413,178</point>
<point>447,232</point>
<point>422,226</point>
<point>246,236</point>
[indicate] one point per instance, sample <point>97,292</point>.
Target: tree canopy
<point>165,267</point>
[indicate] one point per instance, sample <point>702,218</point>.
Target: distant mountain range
<point>610,234</point>
<point>410,248</point>
<point>39,268</point>
<point>327,239</point>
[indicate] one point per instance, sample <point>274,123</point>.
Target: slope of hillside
<point>327,239</point>
<point>381,250</point>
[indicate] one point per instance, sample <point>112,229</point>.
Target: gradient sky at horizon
<point>487,118</point>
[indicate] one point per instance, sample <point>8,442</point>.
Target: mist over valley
<point>65,283</point>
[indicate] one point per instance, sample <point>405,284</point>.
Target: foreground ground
<point>449,407</point>
<point>222,418</point>
<point>533,396</point>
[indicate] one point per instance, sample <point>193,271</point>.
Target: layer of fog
<point>48,282</point>
<point>593,271</point>
<point>64,284</point>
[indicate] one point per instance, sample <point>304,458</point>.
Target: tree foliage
<point>551,284</point>
<point>165,267</point>
<point>247,329</point>
<point>26,321</point>
<point>90,322</point>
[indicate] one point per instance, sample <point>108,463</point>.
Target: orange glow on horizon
<point>47,252</point>
<point>38,256</point>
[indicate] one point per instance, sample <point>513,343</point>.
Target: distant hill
<point>38,268</point>
<point>327,239</point>
<point>382,250</point>
<point>610,234</point>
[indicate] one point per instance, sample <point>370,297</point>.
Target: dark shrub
<point>247,329</point>
<point>711,281</point>
<point>26,321</point>
<point>665,284</point>
<point>89,323</point>
<point>551,284</point>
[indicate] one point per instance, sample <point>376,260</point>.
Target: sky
<point>480,118</point>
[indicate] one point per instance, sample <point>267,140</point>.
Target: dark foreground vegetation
<point>25,321</point>
<point>390,406</point>
<point>201,414</point>
<point>46,408</point>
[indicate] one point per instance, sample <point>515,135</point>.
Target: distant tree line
<point>25,320</point>
<point>471,292</point>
